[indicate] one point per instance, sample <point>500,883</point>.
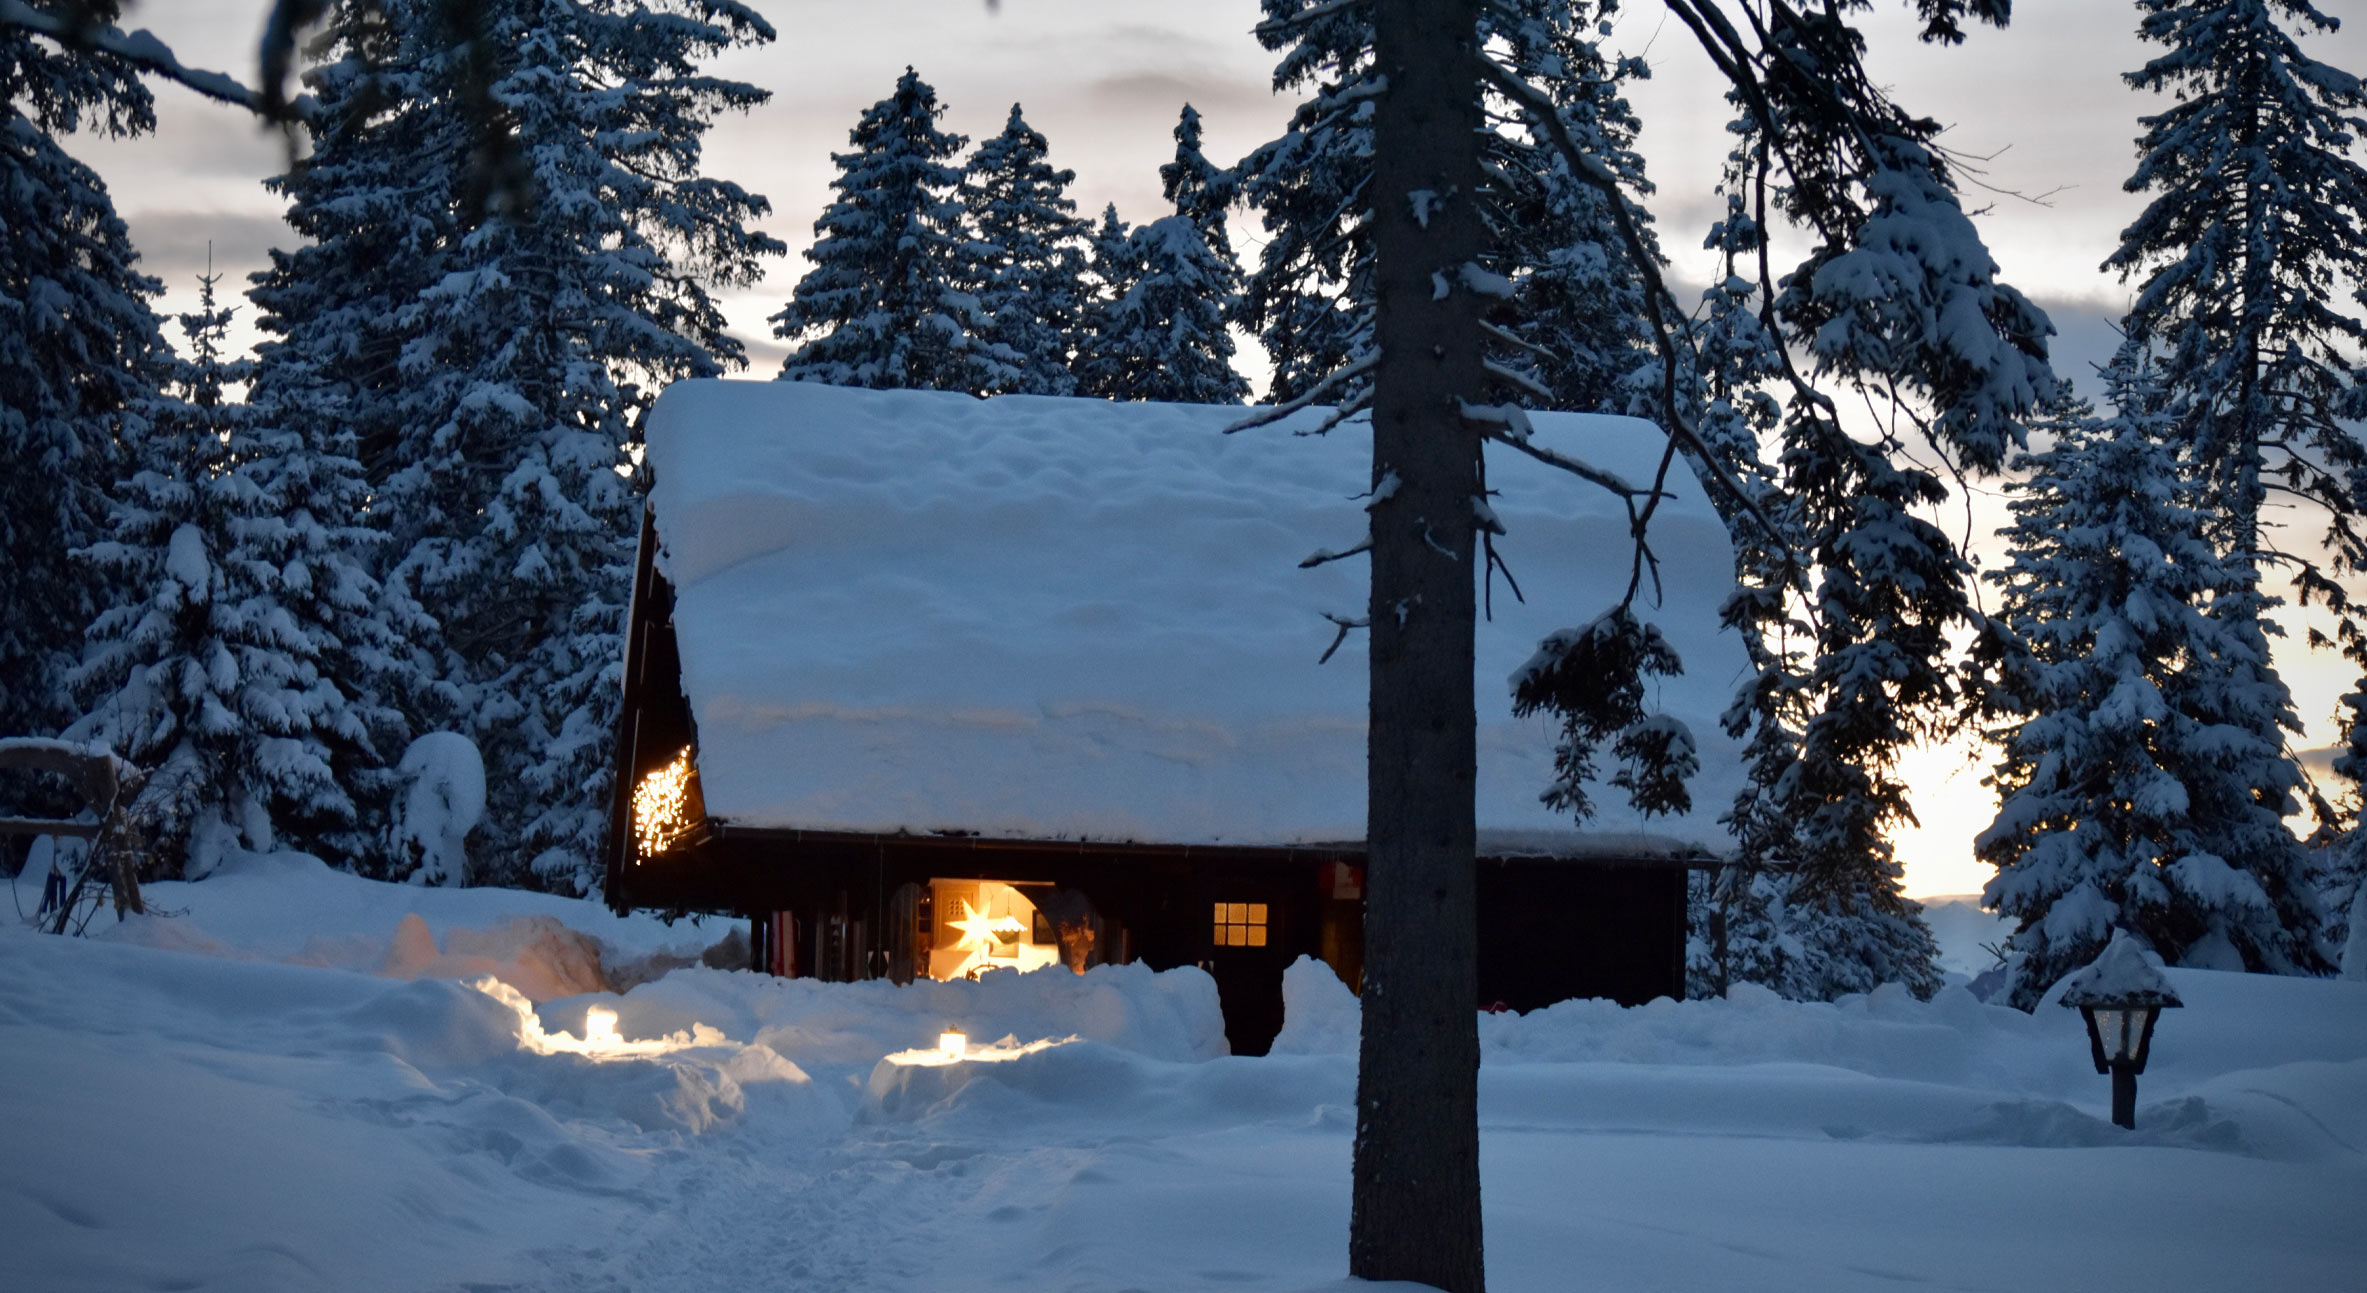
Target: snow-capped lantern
<point>2121,994</point>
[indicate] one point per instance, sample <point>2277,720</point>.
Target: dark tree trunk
<point>1416,1209</point>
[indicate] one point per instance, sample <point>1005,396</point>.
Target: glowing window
<point>1240,924</point>
<point>984,924</point>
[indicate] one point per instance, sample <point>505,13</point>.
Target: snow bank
<point>182,1121</point>
<point>2251,1067</point>
<point>1319,1015</point>
<point>292,907</point>
<point>184,1106</point>
<point>914,610</point>
<point>1172,1016</point>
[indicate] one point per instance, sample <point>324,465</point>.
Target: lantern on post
<point>2121,995</point>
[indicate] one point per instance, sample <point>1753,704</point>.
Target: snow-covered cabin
<point>924,684</point>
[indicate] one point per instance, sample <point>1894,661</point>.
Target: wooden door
<point>1248,946</point>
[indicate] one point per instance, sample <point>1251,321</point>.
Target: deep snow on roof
<point>1071,619</point>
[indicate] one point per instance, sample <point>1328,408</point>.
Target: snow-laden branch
<point>1514,377</point>
<point>1486,282</point>
<point>143,50</point>
<point>1508,424</point>
<point>1364,622</point>
<point>1515,339</point>
<point>1347,372</point>
<point>1325,556</point>
<point>1312,13</point>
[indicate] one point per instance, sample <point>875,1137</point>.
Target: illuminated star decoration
<point>981,933</point>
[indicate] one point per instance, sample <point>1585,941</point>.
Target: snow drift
<point>242,1098</point>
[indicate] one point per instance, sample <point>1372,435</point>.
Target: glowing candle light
<point>952,1045</point>
<point>600,1028</point>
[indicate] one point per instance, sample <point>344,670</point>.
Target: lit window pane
<point>1220,913</point>
<point>1220,936</point>
<point>1238,913</point>
<point>1257,913</point>
<point>1257,936</point>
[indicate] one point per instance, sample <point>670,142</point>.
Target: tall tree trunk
<point>1416,1210</point>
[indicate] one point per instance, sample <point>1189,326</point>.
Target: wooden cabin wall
<point>655,722</point>
<point>1551,929</point>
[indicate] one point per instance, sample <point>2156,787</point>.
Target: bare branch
<point>1657,295</point>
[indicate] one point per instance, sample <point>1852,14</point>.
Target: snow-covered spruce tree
<point>1156,330</point>
<point>1031,258</point>
<point>209,669</point>
<point>2341,862</point>
<point>78,346</point>
<point>1736,916</point>
<point>1576,326</point>
<point>512,249</point>
<point>887,303</point>
<point>371,203</point>
<point>1846,594</point>
<point>509,507</point>
<point>1164,337</point>
<point>2250,260</point>
<point>2128,783</point>
<point>1110,273</point>
<point>1198,188</point>
<point>1887,588</point>
<point>1899,303</point>
<point>1894,258</point>
<point>1571,319</point>
<point>1307,300</point>
<point>2246,252</point>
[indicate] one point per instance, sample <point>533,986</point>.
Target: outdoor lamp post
<point>2121,995</point>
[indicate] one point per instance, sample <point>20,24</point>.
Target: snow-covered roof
<point>1071,619</point>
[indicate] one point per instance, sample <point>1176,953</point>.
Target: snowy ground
<point>258,1094</point>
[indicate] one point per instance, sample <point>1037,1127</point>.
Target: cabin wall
<point>1551,930</point>
<point>859,907</point>
<point>655,722</point>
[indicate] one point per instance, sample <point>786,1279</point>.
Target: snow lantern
<point>2121,994</point>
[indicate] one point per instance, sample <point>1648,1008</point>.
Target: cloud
<point>2086,335</point>
<point>174,244</point>
<point>1166,91</point>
